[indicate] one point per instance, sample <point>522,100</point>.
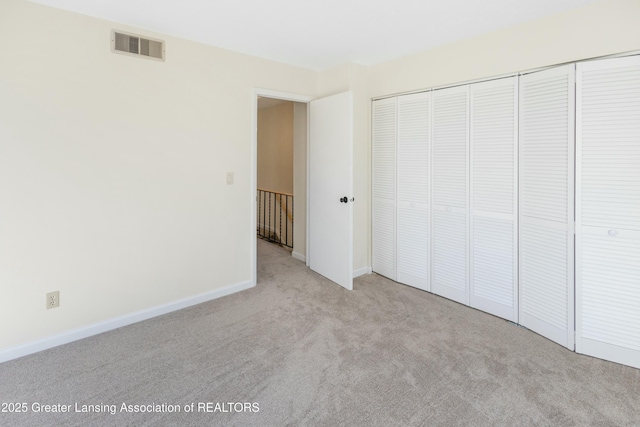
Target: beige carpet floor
<point>306,352</point>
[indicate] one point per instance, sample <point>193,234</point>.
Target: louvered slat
<point>544,294</point>
<point>610,297</point>
<point>413,245</point>
<point>450,193</point>
<point>608,210</point>
<point>413,147</point>
<point>384,149</point>
<point>493,243</point>
<point>450,145</point>
<point>493,282</point>
<point>546,141</point>
<point>610,151</point>
<point>413,190</point>
<point>384,187</point>
<point>449,255</point>
<point>384,238</point>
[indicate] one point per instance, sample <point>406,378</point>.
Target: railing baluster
<point>280,217</point>
<point>270,216</point>
<point>259,211</point>
<point>269,232</point>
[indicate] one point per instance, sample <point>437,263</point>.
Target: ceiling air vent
<point>136,45</point>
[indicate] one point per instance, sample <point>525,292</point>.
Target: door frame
<point>286,96</point>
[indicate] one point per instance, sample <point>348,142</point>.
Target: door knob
<point>344,199</point>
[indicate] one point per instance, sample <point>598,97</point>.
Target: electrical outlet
<point>53,299</point>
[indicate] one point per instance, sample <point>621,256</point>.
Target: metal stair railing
<point>275,217</point>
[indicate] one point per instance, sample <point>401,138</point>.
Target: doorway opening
<point>275,170</point>
<point>327,178</point>
<point>280,172</point>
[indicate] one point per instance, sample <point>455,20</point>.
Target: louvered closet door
<point>413,190</point>
<point>493,202</point>
<point>546,151</point>
<point>608,210</point>
<point>384,187</point>
<point>450,190</point>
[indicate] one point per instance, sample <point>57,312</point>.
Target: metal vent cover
<point>137,45</point>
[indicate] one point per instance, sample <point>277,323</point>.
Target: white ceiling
<point>319,34</point>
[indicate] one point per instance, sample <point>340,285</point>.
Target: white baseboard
<point>361,271</point>
<point>299,256</point>
<point>118,322</point>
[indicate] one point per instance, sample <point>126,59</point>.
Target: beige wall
<point>275,148</point>
<point>601,28</point>
<point>113,170</point>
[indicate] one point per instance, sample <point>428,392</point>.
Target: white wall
<point>113,169</point>
<point>600,28</point>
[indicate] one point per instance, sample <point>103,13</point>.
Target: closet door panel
<point>413,153</point>
<point>450,193</point>
<point>384,187</point>
<point>608,210</point>
<point>546,194</point>
<point>493,201</point>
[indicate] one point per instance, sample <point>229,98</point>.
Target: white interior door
<point>608,210</point>
<point>331,188</point>
<point>547,108</point>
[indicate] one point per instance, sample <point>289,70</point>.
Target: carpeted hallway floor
<point>308,352</point>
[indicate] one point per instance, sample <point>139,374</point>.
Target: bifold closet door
<point>413,168</point>
<point>608,210</point>
<point>450,193</point>
<point>384,187</point>
<point>493,202</point>
<point>546,208</point>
